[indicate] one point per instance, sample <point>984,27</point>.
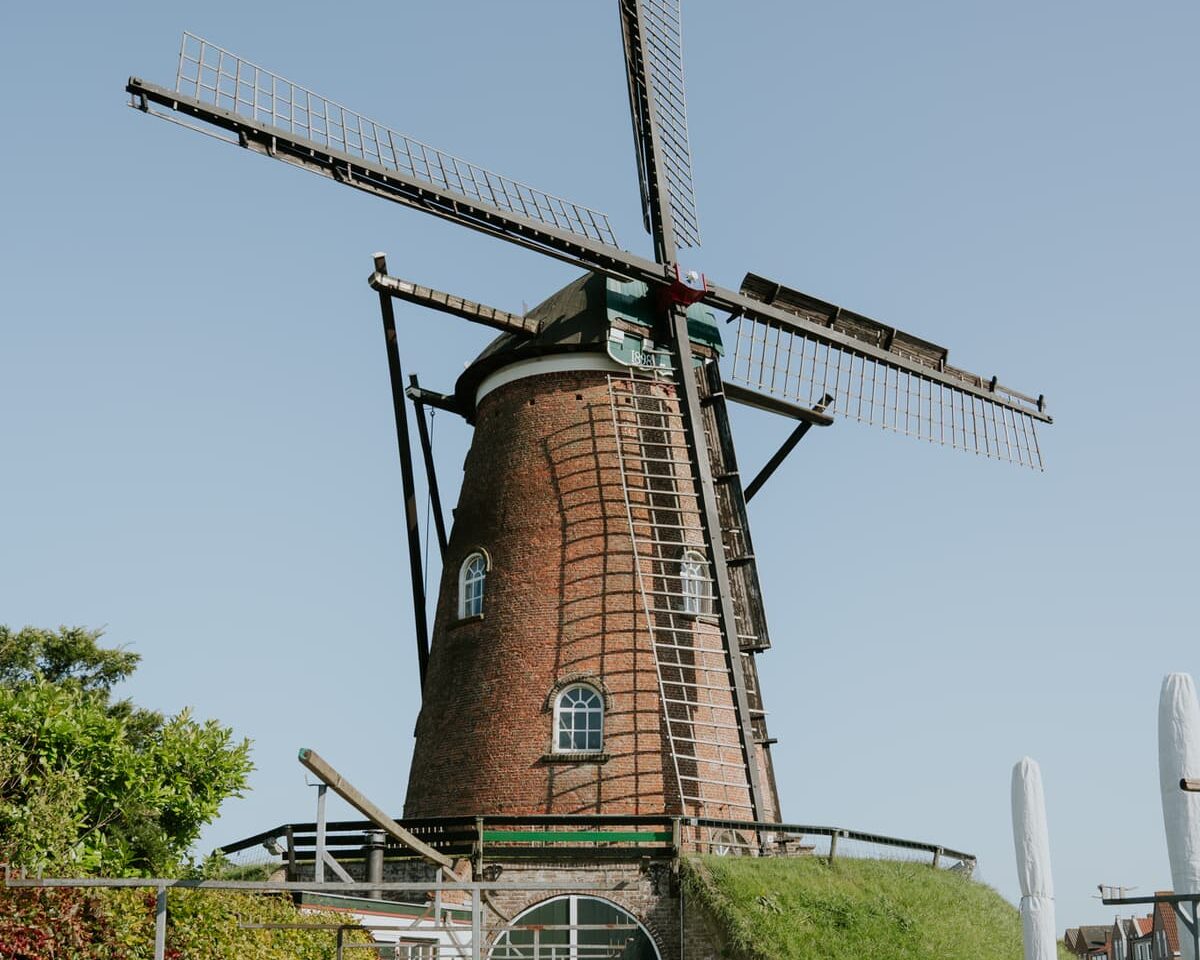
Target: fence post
<point>937,856</point>
<point>319,860</point>
<point>160,924</point>
<point>476,924</point>
<point>833,838</point>
<point>291,854</point>
<point>374,851</point>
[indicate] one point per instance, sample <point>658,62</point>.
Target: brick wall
<point>542,495</point>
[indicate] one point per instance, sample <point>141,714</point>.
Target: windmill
<point>605,634</point>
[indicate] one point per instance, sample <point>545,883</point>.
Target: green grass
<point>796,909</point>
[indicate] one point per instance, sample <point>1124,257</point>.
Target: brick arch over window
<point>570,680</point>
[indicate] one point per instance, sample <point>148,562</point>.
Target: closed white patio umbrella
<point>1032,844</point>
<point>1179,758</point>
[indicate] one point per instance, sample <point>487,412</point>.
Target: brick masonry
<point>647,890</point>
<point>542,496</point>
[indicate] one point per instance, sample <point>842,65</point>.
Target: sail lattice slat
<point>213,75</point>
<point>789,365</point>
<point>696,686</point>
<point>662,28</point>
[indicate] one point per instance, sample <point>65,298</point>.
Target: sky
<point>196,438</point>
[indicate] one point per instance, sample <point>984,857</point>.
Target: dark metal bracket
<point>417,396</point>
<point>787,447</point>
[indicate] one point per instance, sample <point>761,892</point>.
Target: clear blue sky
<point>196,430</point>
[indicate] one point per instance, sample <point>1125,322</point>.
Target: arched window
<point>575,926</point>
<point>471,578</point>
<point>579,720</point>
<point>694,583</point>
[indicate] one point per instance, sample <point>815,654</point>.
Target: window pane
<point>474,574</point>
<point>579,720</point>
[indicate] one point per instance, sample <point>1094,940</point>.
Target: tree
<point>89,783</point>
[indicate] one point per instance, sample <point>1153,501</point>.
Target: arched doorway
<point>575,927</point>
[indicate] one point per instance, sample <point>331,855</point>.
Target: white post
<point>319,861</point>
<point>160,924</point>
<point>1179,757</point>
<point>1032,843</point>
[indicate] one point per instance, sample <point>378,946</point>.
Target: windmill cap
<point>577,319</point>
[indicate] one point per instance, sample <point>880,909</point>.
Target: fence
<point>581,838</point>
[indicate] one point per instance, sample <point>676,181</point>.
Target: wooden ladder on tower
<point>710,748</point>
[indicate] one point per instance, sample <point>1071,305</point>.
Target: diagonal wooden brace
<point>346,790</point>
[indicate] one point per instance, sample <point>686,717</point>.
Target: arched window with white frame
<point>694,583</point>
<point>575,927</point>
<point>472,576</point>
<point>579,720</point>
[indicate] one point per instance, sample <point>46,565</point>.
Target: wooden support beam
<point>313,761</point>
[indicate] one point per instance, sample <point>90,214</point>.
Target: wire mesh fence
<point>215,76</point>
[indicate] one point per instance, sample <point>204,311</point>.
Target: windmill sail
<point>878,374</point>
<point>222,88</point>
<point>663,71</point>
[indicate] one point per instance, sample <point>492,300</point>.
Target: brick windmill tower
<point>599,616</point>
<point>578,662</point>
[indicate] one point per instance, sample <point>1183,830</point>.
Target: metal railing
<point>495,838</point>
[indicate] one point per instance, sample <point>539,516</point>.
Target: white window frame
<point>559,699</point>
<point>502,948</point>
<point>472,606</point>
<point>695,584</point>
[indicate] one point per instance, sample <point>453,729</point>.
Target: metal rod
<point>416,575</point>
<point>476,924</point>
<point>439,520</point>
<point>280,886</point>
<point>319,863</point>
<point>785,448</point>
<point>160,924</point>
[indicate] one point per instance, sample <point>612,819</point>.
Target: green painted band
<point>577,836</point>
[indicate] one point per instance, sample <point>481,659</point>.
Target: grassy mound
<point>796,909</point>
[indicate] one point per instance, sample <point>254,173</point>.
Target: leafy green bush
<point>88,784</point>
<point>68,924</point>
<point>204,925</point>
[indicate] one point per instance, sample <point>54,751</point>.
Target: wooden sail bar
<point>449,303</point>
<point>521,227</point>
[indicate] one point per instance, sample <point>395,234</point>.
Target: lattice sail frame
<point>787,364</point>
<point>662,23</point>
<point>213,75</point>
